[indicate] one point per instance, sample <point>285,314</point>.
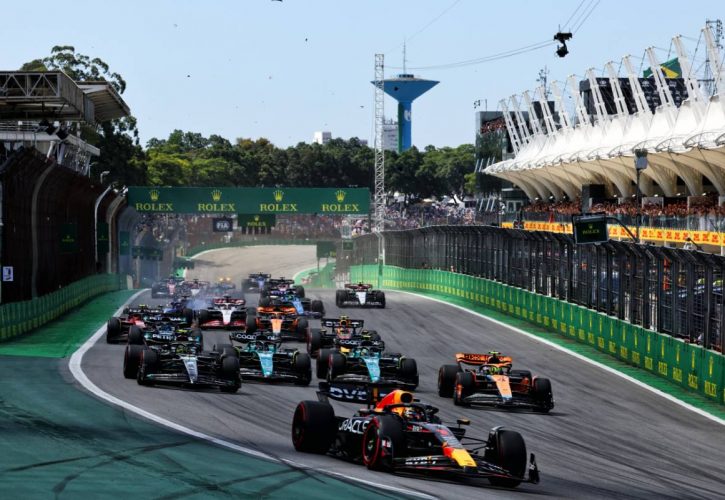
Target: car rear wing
<point>281,281</point>
<point>481,359</point>
<point>267,336</point>
<point>359,286</point>
<point>256,276</point>
<point>353,392</point>
<point>335,323</point>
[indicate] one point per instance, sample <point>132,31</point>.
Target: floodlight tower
<point>405,88</point>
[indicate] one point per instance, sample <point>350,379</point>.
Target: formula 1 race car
<point>255,282</point>
<point>488,380</point>
<point>282,320</point>
<point>400,434</point>
<point>156,335</point>
<point>263,359</point>
<point>117,327</point>
<point>312,308</point>
<point>192,288</point>
<point>183,364</point>
<point>341,333</point>
<point>360,294</point>
<point>366,363</point>
<point>226,312</point>
<point>282,285</point>
<point>166,288</point>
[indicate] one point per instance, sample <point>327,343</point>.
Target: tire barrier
<point>687,365</point>
<point>17,318</point>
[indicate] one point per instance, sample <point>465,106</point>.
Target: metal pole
<point>639,205</point>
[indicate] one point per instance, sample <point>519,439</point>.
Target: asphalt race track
<point>606,437</point>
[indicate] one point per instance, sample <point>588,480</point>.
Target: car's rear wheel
<point>313,427</point>
<point>230,370</point>
<point>382,440</point>
<point>303,368</point>
<point>323,365</point>
<point>542,395</point>
<point>447,380</point>
<point>149,366</point>
<point>131,360</point>
<point>300,291</point>
<point>507,450</point>
<point>339,297</point>
<point>135,336</point>
<point>265,302</point>
<point>316,306</point>
<point>337,364</point>
<point>314,342</point>
<point>465,384</point>
<point>113,330</point>
<point>381,299</point>
<point>188,315</point>
<point>203,317</point>
<point>302,326</point>
<point>409,371</point>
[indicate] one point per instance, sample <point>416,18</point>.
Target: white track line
<point>77,371</point>
<point>633,380</point>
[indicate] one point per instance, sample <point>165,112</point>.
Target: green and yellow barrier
<point>688,365</point>
<point>17,318</point>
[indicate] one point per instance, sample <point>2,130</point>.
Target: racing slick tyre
<point>300,291</point>
<point>225,350</point>
<point>314,427</point>
<point>447,380</point>
<point>303,368</point>
<point>383,429</point>
<point>265,302</point>
<point>302,327</point>
<point>203,317</point>
<point>323,366</point>
<point>135,335</point>
<point>316,306</point>
<point>188,315</point>
<point>542,395</point>
<point>131,360</point>
<point>264,291</point>
<point>336,365</point>
<point>197,334</point>
<point>230,371</point>
<point>113,330</point>
<point>465,384</point>
<point>314,342</point>
<point>340,297</point>
<point>148,366</point>
<point>408,371</point>
<point>507,450</point>
<point>380,296</point>
<point>251,322</point>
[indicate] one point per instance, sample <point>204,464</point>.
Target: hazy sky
<point>281,70</point>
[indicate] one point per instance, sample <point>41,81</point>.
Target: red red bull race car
<point>398,433</point>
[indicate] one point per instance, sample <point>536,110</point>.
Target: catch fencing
<point>625,299</point>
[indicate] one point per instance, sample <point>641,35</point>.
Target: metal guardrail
<point>673,291</point>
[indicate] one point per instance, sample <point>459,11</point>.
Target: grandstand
<point>679,123</point>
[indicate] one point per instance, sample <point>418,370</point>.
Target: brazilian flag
<point>671,69</point>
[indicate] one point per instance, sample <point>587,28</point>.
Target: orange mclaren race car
<point>281,318</point>
<point>401,434</point>
<point>488,380</point>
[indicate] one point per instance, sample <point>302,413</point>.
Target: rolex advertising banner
<point>256,220</point>
<point>250,200</point>
<point>69,237</point>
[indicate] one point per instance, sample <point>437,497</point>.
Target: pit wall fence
<point>687,365</point>
<point>17,318</point>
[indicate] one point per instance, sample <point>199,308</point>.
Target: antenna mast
<point>379,201</point>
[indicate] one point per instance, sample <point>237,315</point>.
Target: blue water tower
<point>405,89</point>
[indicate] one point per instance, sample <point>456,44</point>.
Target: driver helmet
<point>494,370</point>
